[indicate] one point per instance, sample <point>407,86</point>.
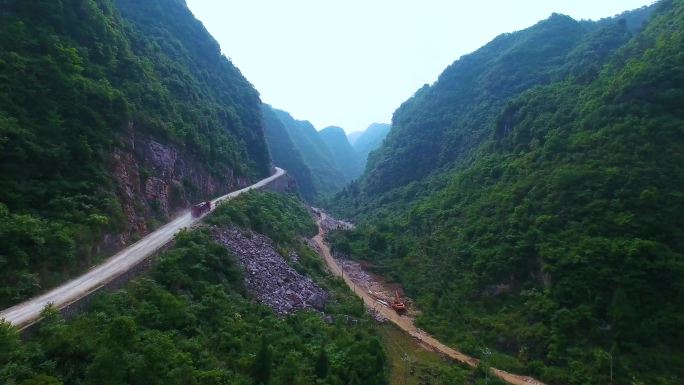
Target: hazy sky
<point>353,62</point>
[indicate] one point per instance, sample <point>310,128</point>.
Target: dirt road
<point>26,313</point>
<point>406,323</point>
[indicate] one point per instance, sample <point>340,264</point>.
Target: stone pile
<point>329,223</point>
<point>267,276</point>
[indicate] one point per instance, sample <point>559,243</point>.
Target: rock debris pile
<point>267,276</point>
<point>329,223</point>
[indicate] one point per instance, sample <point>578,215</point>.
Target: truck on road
<point>200,209</point>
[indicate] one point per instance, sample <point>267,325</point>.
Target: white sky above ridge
<point>351,63</point>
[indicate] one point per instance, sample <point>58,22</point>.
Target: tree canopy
<point>190,321</point>
<point>557,242</point>
<point>75,78</point>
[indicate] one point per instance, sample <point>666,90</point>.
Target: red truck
<point>200,209</point>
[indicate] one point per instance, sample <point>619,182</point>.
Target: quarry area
<point>378,288</point>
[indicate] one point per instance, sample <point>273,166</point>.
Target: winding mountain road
<point>27,313</point>
<point>406,323</point>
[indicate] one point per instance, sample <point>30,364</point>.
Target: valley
<point>405,322</point>
<point>169,196</point>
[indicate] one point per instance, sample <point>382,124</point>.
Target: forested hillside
<point>113,116</point>
<point>530,203</point>
<point>327,176</point>
<point>548,222</point>
<point>286,155</point>
<point>370,140</point>
<point>345,156</point>
<point>442,124</point>
<point>191,321</point>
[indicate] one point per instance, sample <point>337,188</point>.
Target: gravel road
<point>404,322</point>
<point>26,313</point>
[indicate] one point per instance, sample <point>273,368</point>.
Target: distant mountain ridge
<point>286,155</point>
<point>322,161</point>
<point>347,158</point>
<point>114,115</point>
<point>370,140</point>
<point>327,178</point>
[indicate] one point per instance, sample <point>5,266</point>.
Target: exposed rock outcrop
<point>267,276</point>
<point>155,180</point>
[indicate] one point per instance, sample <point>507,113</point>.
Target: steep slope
<point>109,124</point>
<point>441,126</point>
<point>286,155</point>
<point>344,155</point>
<point>559,245</point>
<point>328,178</point>
<point>456,107</point>
<point>443,123</point>
<point>202,79</point>
<point>370,140</point>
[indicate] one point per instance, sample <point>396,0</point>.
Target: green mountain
<point>442,124</point>
<point>286,155</point>
<point>113,116</point>
<point>542,186</point>
<point>370,140</point>
<point>346,158</point>
<point>328,178</point>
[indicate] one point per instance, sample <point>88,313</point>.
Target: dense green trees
<point>320,161</point>
<point>558,242</point>
<point>345,156</point>
<point>286,155</point>
<point>190,322</point>
<point>77,77</point>
<point>213,105</point>
<point>282,218</point>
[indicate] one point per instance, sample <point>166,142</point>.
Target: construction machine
<point>397,304</point>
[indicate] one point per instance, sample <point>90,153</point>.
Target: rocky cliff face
<point>155,181</point>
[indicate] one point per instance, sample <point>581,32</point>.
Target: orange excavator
<point>397,304</point>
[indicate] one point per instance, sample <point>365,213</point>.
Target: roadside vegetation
<point>80,79</point>
<point>190,321</point>
<point>559,245</point>
<point>412,364</point>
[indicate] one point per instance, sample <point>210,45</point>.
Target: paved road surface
<point>26,313</point>
<point>406,323</point>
